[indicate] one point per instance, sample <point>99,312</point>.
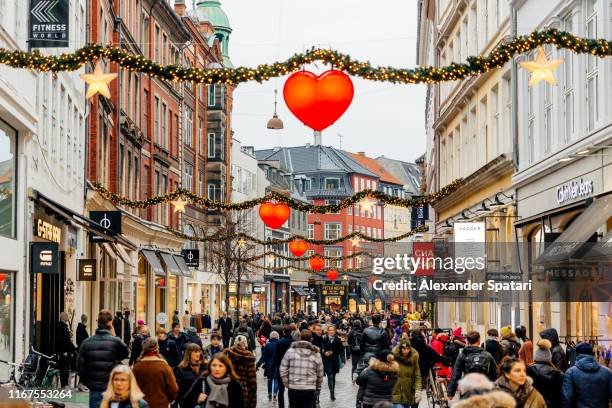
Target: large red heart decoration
<point>317,263</point>
<point>332,274</point>
<point>318,101</point>
<point>274,215</point>
<point>298,247</point>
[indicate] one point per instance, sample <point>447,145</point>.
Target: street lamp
<point>483,209</point>
<point>497,203</point>
<point>275,122</point>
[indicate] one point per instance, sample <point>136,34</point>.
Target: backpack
<point>451,350</point>
<point>512,348</point>
<point>476,363</point>
<point>356,346</point>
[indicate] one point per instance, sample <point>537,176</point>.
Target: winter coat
<point>169,351</point>
<point>353,337</point>
<point>511,346</point>
<point>587,384</point>
<point>137,348</point>
<point>234,392</point>
<point>268,355</point>
<point>427,355</point>
<point>225,325</point>
<point>459,368</point>
<point>97,357</point>
<point>493,346</point>
<point>185,378</point>
<point>331,363</point>
<point>128,404</point>
<point>526,352</point>
<point>438,346</point>
<point>63,339</point>
<point>302,367</point>
<point>526,396</point>
<point>409,378</point>
<point>378,380</point>
<point>317,341</point>
<point>156,380</point>
<point>181,340</point>
<point>209,351</point>
<point>491,399</point>
<point>248,333</point>
<point>81,334</point>
<point>374,340</point>
<point>548,380</point>
<point>244,366</point>
<point>192,337</point>
<point>558,354</point>
<point>284,343</point>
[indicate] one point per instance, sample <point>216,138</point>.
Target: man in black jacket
<point>493,346</point>
<point>97,357</point>
<point>226,327</point>
<point>558,354</point>
<point>473,359</point>
<point>373,341</point>
<point>281,348</point>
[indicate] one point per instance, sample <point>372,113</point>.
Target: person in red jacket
<point>438,345</point>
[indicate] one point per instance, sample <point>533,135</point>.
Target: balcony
<point>161,155</point>
<point>130,130</point>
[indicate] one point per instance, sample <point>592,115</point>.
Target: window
<point>188,177</point>
<point>548,109</point>
<point>332,183</point>
<point>592,66</point>
<point>473,140</point>
<point>200,136</point>
<point>164,51</point>
<point>484,26</point>
<point>212,101</point>
<point>484,132</point>
<point>349,229</point>
<point>136,178</point>
<point>188,135</point>
<point>369,231</point>
<point>8,172</point>
<point>336,252</point>
<point>349,210</point>
<point>211,192</point>
<point>472,21</point>
<point>156,121</point>
<point>530,124</point>
<point>201,184</point>
<point>332,230</point>
<point>568,88</point>
<point>121,164</point>
<point>156,41</point>
<point>495,122</point>
<point>311,231</point>
<point>164,125</point>
<point>211,145</point>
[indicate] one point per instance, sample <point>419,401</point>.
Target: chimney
<point>179,7</point>
<point>317,138</point>
<point>362,154</point>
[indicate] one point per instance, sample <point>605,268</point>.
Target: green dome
<point>210,10</point>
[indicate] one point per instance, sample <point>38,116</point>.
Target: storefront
<point>258,298</point>
<point>333,296</point>
<point>279,294</point>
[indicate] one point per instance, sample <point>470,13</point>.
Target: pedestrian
<point>268,356</point>
<point>473,359</point>
<point>141,336</point>
<point>526,350</point>
<point>514,380</point>
<point>264,331</point>
<point>213,348</point>
<point>509,342</point>
<point>547,378</point>
<point>178,337</point>
<point>155,376</point>
<point>301,371</point>
<point>493,346</point>
<point>438,344</point>
<point>191,336</point>
<point>374,340</point>
<point>81,332</point>
<point>218,387</point>
<point>377,381</point>
<point>118,324</point>
<point>243,362</point>
<point>98,355</point>
<point>354,341</point>
<point>122,390</point>
<point>317,335</point>
<point>191,367</point>
<point>244,330</point>
<point>475,390</point>
<point>332,354</point>
<point>407,389</point>
<point>587,383</point>
<point>64,348</point>
<point>283,345</point>
<point>167,348</point>
<point>176,318</point>
<point>186,319</point>
<point>295,333</point>
<point>558,354</point>
<point>226,328</point>
<point>428,357</point>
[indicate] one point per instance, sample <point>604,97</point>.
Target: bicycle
<point>51,376</point>
<point>437,389</point>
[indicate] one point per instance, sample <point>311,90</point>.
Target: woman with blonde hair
<point>122,390</point>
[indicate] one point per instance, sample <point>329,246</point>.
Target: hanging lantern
<point>274,215</point>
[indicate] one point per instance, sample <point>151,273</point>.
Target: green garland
<point>322,272</point>
<point>220,238</point>
<point>474,65</point>
<point>292,203</point>
<point>291,258</point>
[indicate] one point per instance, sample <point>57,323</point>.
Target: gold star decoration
<point>179,205</point>
<point>542,68</point>
<point>355,241</point>
<point>367,205</point>
<point>241,242</point>
<point>271,258</point>
<point>98,82</point>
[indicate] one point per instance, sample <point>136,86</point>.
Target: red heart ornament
<point>318,101</point>
<point>298,247</point>
<point>316,263</point>
<point>274,215</point>
<point>332,274</point>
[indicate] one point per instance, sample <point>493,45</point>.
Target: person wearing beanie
<point>376,382</point>
<point>268,355</point>
<point>547,378</point>
<point>509,342</point>
<point>586,384</point>
<point>154,376</point>
<point>407,389</point>
<point>243,362</point>
<point>558,353</point>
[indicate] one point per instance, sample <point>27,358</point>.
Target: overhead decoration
<point>355,241</point>
<point>367,205</point>
<point>97,82</point>
<point>279,198</point>
<point>298,247</point>
<point>474,65</point>
<point>179,205</point>
<point>332,274</point>
<point>352,272</point>
<point>272,256</point>
<point>317,263</point>
<point>274,215</point>
<point>318,101</point>
<point>542,68</point>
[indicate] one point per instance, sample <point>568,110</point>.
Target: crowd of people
<point>391,363</point>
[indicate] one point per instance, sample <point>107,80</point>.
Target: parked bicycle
<point>437,389</point>
<point>38,370</point>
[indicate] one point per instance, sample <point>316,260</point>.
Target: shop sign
<point>419,215</point>
<point>469,239</point>
<point>423,251</point>
<point>109,220</point>
<point>191,257</point>
<point>259,289</point>
<point>87,270</point>
<point>45,230</point>
<point>49,23</point>
<point>231,288</point>
<point>573,190</point>
<point>161,318</point>
<point>332,290</point>
<point>44,257</point>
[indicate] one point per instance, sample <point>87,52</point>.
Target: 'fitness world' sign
<point>574,189</point>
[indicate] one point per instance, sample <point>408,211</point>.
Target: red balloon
<point>317,263</point>
<point>332,274</point>
<point>318,101</point>
<point>274,215</point>
<point>298,247</point>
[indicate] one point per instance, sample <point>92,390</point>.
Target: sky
<point>383,119</point>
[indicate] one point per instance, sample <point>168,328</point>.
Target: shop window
<point>7,311</point>
<point>8,172</point>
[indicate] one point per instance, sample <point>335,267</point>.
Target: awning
<point>108,248</point>
<point>568,244</point>
<point>299,291</point>
<point>153,260</point>
<point>171,265</point>
<point>601,250</point>
<point>183,266</point>
<point>123,254</point>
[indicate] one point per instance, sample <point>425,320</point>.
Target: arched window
<point>188,230</point>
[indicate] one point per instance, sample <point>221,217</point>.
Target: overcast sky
<point>383,119</point>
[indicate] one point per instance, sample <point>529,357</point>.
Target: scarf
<point>218,391</point>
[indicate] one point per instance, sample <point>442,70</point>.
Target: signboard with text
<point>424,251</point>
<point>109,220</point>
<point>191,257</point>
<point>44,257</point>
<point>87,270</point>
<point>49,23</point>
